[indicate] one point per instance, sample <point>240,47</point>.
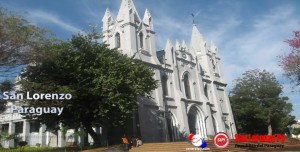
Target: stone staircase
<point>183,147</point>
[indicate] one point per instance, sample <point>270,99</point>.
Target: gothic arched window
<point>118,40</point>
<point>164,84</point>
<point>206,91</point>
<point>187,86</point>
<point>141,35</point>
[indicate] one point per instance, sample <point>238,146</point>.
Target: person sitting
<point>133,141</point>
<point>126,143</point>
<point>139,142</point>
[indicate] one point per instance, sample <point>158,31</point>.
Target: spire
<point>197,42</point>
<point>177,45</point>
<point>169,52</point>
<point>148,19</point>
<point>213,47</point>
<point>183,45</point>
<point>168,44</point>
<point>127,8</point>
<point>107,18</point>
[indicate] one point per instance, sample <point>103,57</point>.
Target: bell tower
<point>129,33</point>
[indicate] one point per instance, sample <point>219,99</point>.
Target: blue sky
<point>249,34</point>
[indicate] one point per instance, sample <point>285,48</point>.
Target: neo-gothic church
<point>192,97</point>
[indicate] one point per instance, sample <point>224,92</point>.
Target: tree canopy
<point>257,104</point>
<point>104,83</point>
<point>21,42</point>
<point>6,85</point>
<point>290,62</point>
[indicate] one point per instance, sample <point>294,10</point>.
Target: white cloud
<point>167,27</point>
<point>220,34</point>
<point>38,16</point>
<point>260,45</point>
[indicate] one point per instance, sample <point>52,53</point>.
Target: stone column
<point>81,139</point>
<point>11,130</point>
<point>42,135</point>
<point>26,130</point>
<point>47,138</point>
<point>61,140</point>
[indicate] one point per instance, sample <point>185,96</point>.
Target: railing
<point>7,117</point>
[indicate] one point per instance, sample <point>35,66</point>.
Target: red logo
<point>221,140</point>
<point>259,138</point>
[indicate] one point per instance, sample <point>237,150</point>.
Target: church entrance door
<point>196,121</point>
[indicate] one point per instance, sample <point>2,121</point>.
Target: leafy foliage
<point>257,104</point>
<point>291,61</point>
<point>4,86</point>
<point>104,83</point>
<point>296,131</point>
<point>21,42</point>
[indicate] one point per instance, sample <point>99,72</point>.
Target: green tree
<point>5,85</point>
<point>257,104</point>
<point>20,42</point>
<point>104,84</point>
<point>296,131</point>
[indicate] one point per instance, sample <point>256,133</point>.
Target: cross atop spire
<point>193,18</point>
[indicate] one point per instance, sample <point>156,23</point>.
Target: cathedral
<point>191,97</point>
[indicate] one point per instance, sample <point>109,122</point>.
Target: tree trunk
<point>269,129</point>
<point>96,137</point>
<point>269,123</point>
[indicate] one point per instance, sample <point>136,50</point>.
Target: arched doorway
<point>172,127</point>
<point>196,121</point>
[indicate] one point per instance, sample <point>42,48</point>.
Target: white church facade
<point>191,97</point>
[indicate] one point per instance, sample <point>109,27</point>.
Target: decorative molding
<point>145,52</point>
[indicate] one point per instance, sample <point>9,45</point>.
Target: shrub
<point>22,143</point>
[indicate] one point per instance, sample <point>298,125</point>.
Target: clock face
<point>184,55</point>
